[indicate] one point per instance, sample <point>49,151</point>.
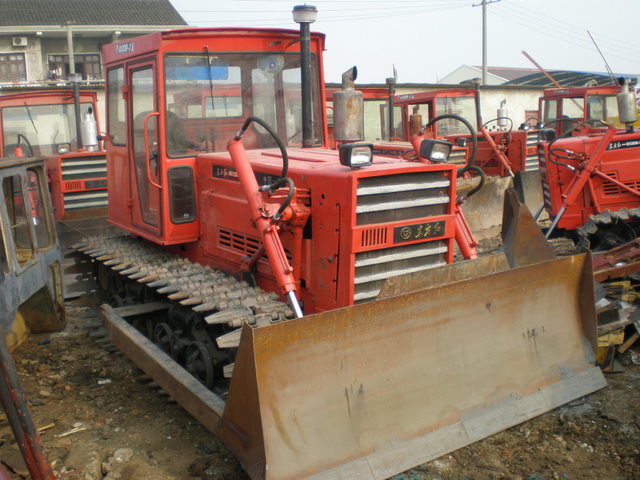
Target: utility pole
<point>484,4</point>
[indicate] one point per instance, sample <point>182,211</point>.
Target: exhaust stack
<point>305,15</point>
<point>348,110</point>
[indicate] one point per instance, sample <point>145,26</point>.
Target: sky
<point>428,39</point>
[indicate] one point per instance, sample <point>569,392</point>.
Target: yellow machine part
<point>18,332</point>
<point>374,389</point>
<point>39,314</point>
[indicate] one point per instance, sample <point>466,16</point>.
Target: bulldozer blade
<point>528,185</point>
<point>374,389</point>
<point>522,239</point>
<point>483,210</point>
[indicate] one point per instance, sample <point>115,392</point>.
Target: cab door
<point>145,153</point>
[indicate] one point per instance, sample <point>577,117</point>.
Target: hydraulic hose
<point>285,163</point>
<point>552,151</point>
<point>476,189</point>
<point>26,141</point>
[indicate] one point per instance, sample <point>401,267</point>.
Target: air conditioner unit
<point>19,41</point>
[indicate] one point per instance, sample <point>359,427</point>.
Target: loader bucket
<point>374,389</point>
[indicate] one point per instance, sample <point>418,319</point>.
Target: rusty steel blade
<point>372,390</point>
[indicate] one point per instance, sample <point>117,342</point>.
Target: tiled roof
<point>88,12</point>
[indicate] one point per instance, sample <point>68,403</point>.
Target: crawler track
<point>204,307</point>
<point>609,229</point>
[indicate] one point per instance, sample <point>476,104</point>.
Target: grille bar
<point>382,256</point>
<point>374,267</point>
<point>77,200</point>
<point>83,168</point>
<point>392,205</point>
<point>392,198</point>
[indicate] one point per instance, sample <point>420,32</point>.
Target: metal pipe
<point>391,83</point>
<point>15,406</point>
<point>76,86</point>
<point>305,73</point>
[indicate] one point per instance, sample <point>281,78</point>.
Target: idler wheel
<point>163,337</point>
<point>199,363</point>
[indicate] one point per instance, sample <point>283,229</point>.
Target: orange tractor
<point>43,124</point>
<point>310,292</point>
<point>561,109</point>
<point>590,172</point>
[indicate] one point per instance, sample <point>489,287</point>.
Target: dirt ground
<point>101,418</point>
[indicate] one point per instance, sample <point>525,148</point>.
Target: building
<point>495,75</point>
<point>34,36</point>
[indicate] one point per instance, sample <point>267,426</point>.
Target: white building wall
<point>518,100</point>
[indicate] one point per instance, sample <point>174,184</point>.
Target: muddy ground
<point>101,418</point>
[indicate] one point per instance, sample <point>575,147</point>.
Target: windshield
<point>206,106</point>
<point>41,127</point>
<point>604,108</point>
<point>464,107</point>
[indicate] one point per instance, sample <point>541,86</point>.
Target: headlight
<point>436,151</point>
<point>356,155</point>
<point>63,148</point>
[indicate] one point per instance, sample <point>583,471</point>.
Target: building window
<point>12,67</point>
<point>88,65</point>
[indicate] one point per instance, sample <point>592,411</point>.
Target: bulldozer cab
<point>428,105</point>
<point>42,123</point>
<point>562,109</point>
<point>172,96</point>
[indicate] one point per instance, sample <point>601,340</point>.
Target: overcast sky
<point>428,39</point>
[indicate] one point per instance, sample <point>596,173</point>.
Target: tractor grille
<point>531,161</point>
<point>84,182</point>
<point>373,268</point>
<point>546,191</point>
<point>243,244</point>
<point>238,241</point>
<point>458,156</point>
<point>610,188</point>
<point>87,199</point>
<point>80,168</point>
<point>393,198</point>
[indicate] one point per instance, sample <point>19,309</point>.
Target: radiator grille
<point>374,236</point>
<point>80,168</point>
<point>458,156</point>
<point>546,191</point>
<point>373,268</point>
<point>238,241</point>
<point>88,199</point>
<point>393,198</point>
<point>610,188</point>
<point>73,185</point>
<point>531,161</point>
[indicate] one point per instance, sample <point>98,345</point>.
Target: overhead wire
<point>542,27</point>
<point>564,25</point>
<point>573,35</point>
<point>380,13</point>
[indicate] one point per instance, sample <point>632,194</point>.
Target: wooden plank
<point>630,341</point>
<point>141,308</point>
<point>194,397</point>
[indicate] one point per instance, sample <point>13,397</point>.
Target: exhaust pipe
<point>348,110</point>
<point>305,15</point>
